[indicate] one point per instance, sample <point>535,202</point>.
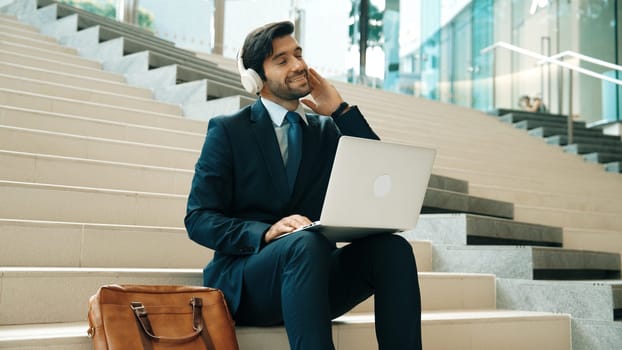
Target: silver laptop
<point>374,187</point>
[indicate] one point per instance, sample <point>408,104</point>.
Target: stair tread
<point>78,329</point>
<point>449,201</point>
<point>484,230</point>
<point>89,271</point>
<point>527,262</point>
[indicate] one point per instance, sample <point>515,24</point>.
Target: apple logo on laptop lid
<point>382,186</point>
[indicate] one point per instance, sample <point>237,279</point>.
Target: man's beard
<point>284,92</point>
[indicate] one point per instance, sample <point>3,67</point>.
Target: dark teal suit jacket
<point>240,187</point>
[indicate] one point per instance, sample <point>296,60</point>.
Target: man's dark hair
<point>258,44</point>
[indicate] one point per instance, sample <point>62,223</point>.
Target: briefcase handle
<point>197,324</point>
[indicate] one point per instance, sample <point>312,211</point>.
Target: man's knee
<point>308,245</point>
<point>393,248</point>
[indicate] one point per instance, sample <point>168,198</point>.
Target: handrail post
<point>560,89</point>
<point>570,100</point>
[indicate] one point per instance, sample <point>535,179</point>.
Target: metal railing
<point>555,59</point>
<point>585,58</point>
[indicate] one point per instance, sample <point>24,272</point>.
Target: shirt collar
<point>277,112</point>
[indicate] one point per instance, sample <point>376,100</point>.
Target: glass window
<point>106,8</point>
<point>187,23</point>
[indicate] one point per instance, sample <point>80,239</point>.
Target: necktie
<point>294,148</point>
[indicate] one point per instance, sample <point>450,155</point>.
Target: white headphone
<point>250,79</point>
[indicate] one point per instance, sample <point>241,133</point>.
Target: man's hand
<point>286,225</point>
<point>326,98</point>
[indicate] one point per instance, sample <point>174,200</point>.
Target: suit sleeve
<point>208,219</point>
<point>352,123</point>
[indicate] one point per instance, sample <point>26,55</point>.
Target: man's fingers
<point>314,77</point>
<point>309,103</point>
<point>299,220</point>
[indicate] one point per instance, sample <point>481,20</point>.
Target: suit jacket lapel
<point>267,143</point>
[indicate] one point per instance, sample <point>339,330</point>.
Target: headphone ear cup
<point>251,80</point>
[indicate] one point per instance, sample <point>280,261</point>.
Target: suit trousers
<point>303,282</point>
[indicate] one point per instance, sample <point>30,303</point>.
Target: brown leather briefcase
<point>123,317</point>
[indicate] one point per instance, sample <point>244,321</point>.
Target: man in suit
<point>245,195</point>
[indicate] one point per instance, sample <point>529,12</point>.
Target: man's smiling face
<point>286,71</point>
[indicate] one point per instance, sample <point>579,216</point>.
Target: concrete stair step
<point>537,119</point>
<point>22,303</point>
<point>66,10</point>
<point>604,140</point>
<point>524,262</point>
<point>483,230</point>
<point>469,330</point>
<point>532,124</point>
<point>87,95</point>
<point>58,170</point>
<point>442,201</point>
<point>596,334</point>
<point>517,112</point>
<point>30,243</point>
<point>160,54</point>
<point>54,56</point>
<point>42,103</point>
<point>428,116</point>
<point>72,244</point>
<point>104,206</point>
<point>491,133</point>
<point>144,68</point>
<point>27,12</point>
<point>547,131</point>
<point>614,167</point>
<point>67,145</point>
<point>583,148</point>
<point>112,29</point>
<point>7,56</point>
<point>448,291</point>
<point>136,62</point>
<point>138,40</point>
<point>217,87</point>
<point>593,323</point>
<point>561,297</point>
<point>36,42</point>
<point>448,183</point>
<point>484,154</point>
<point>568,217</point>
<point>13,21</point>
<point>25,31</point>
<point>51,24</point>
<point>552,166</point>
<point>600,240</point>
<point>554,182</point>
<point>98,128</point>
<point>182,158</point>
<point>603,157</point>
<point>518,195</point>
<point>73,80</point>
<point>206,110</point>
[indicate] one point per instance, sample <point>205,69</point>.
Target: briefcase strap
<point>147,334</point>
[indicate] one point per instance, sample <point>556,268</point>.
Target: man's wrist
<point>343,107</point>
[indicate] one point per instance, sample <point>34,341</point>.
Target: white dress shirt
<point>280,124</point>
